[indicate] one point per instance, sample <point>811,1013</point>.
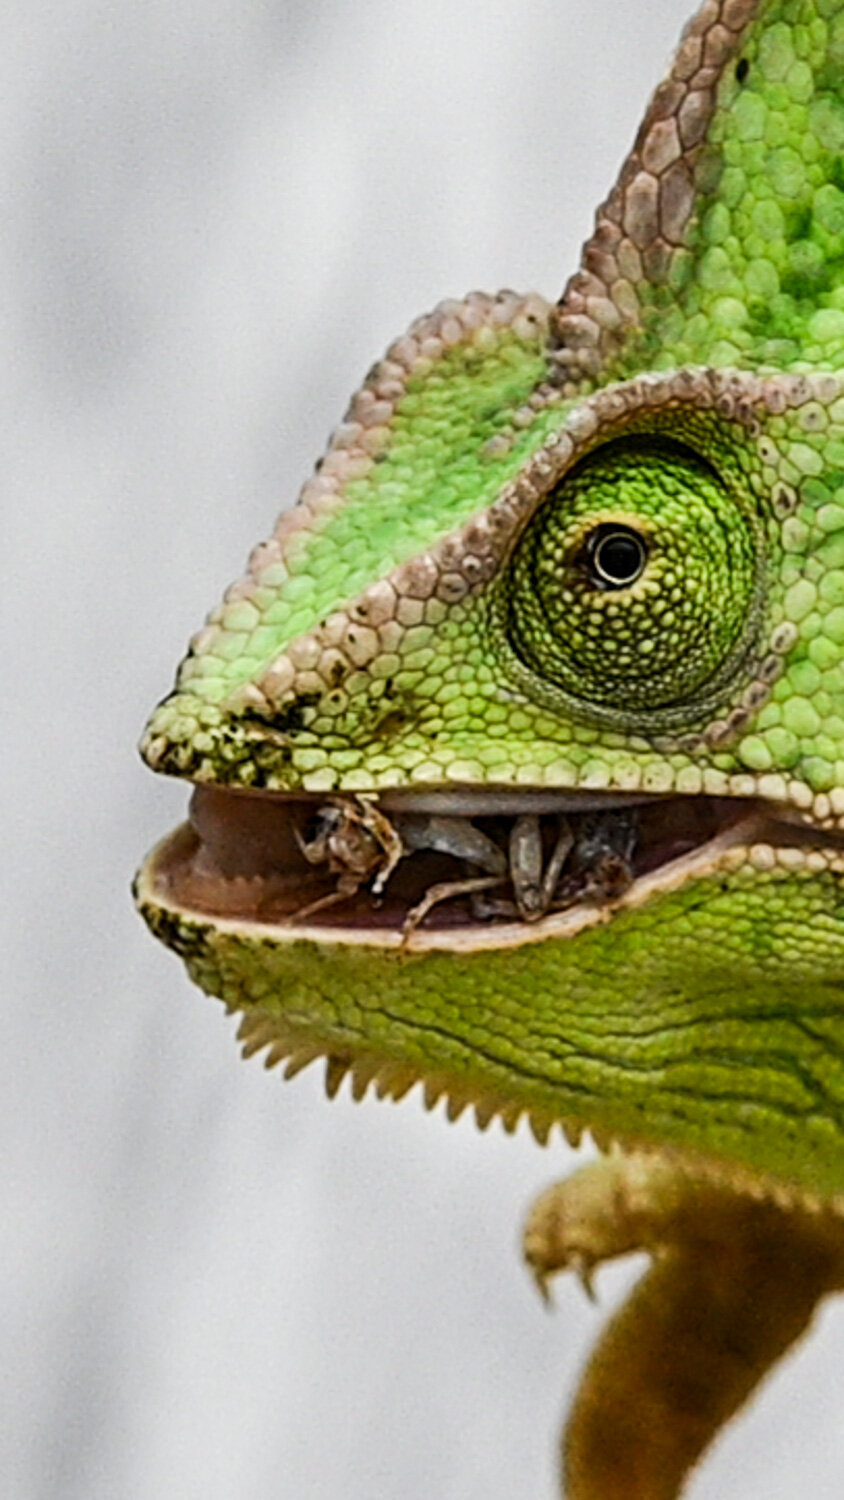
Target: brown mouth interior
<point>240,859</point>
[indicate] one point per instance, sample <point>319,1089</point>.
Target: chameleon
<point>517,754</point>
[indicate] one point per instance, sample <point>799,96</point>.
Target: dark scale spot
<point>284,720</point>
<point>391,724</point>
<point>189,940</point>
<point>267,758</point>
<point>798,223</point>
<point>742,69</point>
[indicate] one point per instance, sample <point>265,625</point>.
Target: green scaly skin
<point>424,618</point>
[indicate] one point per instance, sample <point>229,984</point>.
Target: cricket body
<point>518,753</point>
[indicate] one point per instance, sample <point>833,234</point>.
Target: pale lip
<point>238,863</point>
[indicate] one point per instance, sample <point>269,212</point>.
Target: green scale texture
<point>759,282</point>
<point>434,471</point>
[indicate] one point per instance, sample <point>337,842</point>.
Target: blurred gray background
<point>214,1286</point>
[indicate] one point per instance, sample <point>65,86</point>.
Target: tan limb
<point>733,1283</point>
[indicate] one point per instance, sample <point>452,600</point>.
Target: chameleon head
<point>519,750</point>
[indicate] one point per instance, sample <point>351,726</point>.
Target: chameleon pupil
<point>617,556</point>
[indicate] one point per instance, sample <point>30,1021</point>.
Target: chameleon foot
<point>733,1283</point>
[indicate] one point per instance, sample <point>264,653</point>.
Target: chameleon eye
<point>634,586</point>
<point>615,556</point>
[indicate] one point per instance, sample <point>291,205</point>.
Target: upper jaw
<point>240,861</point>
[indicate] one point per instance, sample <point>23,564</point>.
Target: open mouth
<point>438,860</point>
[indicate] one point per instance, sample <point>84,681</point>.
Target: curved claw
<point>734,1282</point>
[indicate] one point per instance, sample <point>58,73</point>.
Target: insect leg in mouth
<point>459,838</point>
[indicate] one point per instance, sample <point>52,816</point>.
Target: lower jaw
<point>693,1014</point>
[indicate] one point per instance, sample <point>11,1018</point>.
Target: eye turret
<point>633,587</point>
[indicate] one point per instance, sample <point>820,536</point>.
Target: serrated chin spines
<point>391,1080</point>
<point>394,1080</point>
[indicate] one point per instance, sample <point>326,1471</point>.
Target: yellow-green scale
<point>759,282</point>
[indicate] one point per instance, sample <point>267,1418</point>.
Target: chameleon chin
<point>518,752</point>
